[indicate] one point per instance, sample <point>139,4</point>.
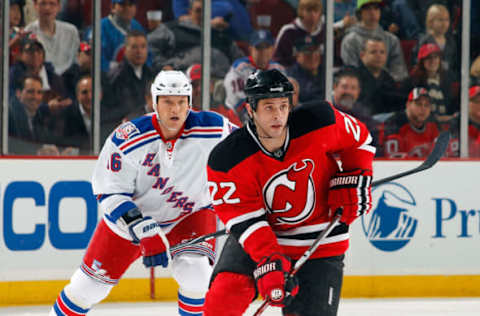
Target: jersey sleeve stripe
<point>202,136</point>
<point>137,139</point>
<point>120,210</point>
<point>250,230</point>
<point>147,141</point>
<point>366,145</point>
<point>102,197</point>
<point>244,217</point>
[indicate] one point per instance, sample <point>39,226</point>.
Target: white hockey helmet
<point>171,82</point>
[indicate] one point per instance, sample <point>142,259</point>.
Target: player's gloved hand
<point>273,282</point>
<point>153,242</point>
<point>351,190</point>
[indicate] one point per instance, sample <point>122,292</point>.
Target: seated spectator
<point>308,69</point>
<point>31,61</point>
<point>379,93</point>
<point>114,27</point>
<point>187,42</point>
<point>473,127</point>
<point>124,93</point>
<point>309,22</point>
<point>346,91</point>
<point>232,13</point>
<point>194,73</point>
<point>405,15</point>
<point>368,26</point>
<point>60,39</point>
<point>29,119</point>
<point>154,19</point>
<point>261,51</point>
<point>437,32</point>
<point>430,73</point>
<point>410,133</point>
<point>77,130</point>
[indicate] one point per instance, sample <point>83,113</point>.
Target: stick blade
<point>440,147</point>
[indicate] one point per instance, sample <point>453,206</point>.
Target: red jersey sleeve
<point>238,203</point>
<point>352,141</point>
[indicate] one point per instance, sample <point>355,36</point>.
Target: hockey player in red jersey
<point>151,183</point>
<point>411,133</point>
<point>275,184</point>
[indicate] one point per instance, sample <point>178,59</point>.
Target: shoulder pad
<point>311,116</point>
<point>238,146</point>
<point>132,129</point>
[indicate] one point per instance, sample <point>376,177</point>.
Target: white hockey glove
<point>154,244</point>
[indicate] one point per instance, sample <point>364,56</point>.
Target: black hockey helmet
<point>264,84</point>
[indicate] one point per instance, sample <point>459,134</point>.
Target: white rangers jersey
<point>166,180</point>
<point>237,76</point>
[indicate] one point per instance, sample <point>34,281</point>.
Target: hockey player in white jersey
<point>151,183</point>
<point>261,52</point>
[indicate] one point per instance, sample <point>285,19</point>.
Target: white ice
<point>348,307</point>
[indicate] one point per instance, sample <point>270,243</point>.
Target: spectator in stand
<point>430,73</point>
<point>369,12</point>
<point>82,67</point>
<point>410,133</point>
<point>154,19</point>
<point>405,15</point>
<point>29,119</point>
<point>261,52</point>
<point>309,22</point>
<point>232,12</point>
<point>308,69</point>
<point>437,32</point>
<point>60,39</point>
<point>17,33</point>
<point>346,91</point>
<point>186,49</point>
<point>31,61</point>
<point>379,92</point>
<point>296,91</point>
<point>475,72</point>
<point>194,73</point>
<point>127,81</point>
<point>114,27</point>
<point>473,127</point>
<point>78,117</point>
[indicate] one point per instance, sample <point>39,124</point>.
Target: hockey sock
<point>65,307</point>
<point>188,306</point>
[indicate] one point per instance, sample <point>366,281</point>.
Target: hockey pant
<point>232,287</point>
<point>108,256</point>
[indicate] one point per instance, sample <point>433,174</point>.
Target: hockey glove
<point>351,190</point>
<point>153,242</point>
<point>273,282</point>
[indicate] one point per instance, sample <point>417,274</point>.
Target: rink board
<point>421,239</point>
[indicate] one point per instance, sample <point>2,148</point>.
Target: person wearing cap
<point>308,22</point>
<point>411,133</point>
<point>216,93</point>
<point>369,12</point>
<point>60,39</point>
<point>308,69</point>
<point>437,27</point>
<point>430,72</point>
<point>260,57</point>
<point>453,149</point>
<point>114,27</point>
<point>32,61</point>
<point>82,67</point>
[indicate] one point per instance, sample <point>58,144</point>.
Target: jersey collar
<point>278,154</point>
<point>171,142</point>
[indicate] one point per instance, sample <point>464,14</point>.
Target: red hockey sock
<point>229,295</point>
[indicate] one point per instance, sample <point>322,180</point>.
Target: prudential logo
<point>390,226</point>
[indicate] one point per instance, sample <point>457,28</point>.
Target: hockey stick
<point>199,239</point>
<point>300,262</point>
<point>437,152</point>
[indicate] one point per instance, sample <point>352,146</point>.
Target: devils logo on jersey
<point>290,194</point>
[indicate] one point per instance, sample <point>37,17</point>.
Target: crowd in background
<point>397,65</point>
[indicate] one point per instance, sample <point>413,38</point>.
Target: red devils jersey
<point>403,140</point>
<point>277,201</point>
<point>453,149</point>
